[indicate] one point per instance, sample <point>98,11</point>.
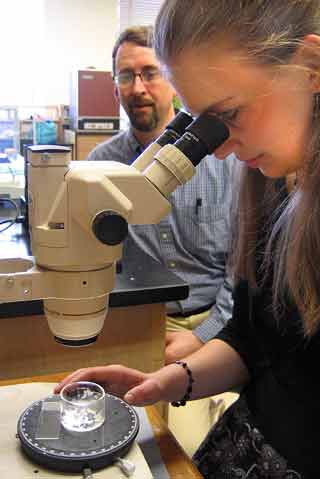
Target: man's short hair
<point>141,35</point>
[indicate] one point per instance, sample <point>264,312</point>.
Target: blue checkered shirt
<point>192,241</point>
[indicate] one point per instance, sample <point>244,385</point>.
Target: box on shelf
<point>45,132</point>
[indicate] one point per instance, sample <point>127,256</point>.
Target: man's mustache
<point>137,102</point>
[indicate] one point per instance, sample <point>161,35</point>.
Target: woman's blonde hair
<point>269,31</point>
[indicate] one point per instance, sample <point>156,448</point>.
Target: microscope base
<point>13,462</point>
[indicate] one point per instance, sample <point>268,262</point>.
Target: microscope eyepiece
<point>175,128</point>
<point>174,164</point>
<point>204,135</point>
<point>180,122</point>
<point>172,133</point>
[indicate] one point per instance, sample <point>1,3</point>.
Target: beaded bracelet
<point>187,395</point>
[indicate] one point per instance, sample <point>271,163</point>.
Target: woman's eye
<point>229,115</point>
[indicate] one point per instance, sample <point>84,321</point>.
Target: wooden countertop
<point>178,464</point>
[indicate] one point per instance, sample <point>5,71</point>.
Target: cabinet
<point>87,142</point>
<point>93,104</point>
<point>132,335</point>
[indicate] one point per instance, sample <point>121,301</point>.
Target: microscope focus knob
<point>110,228</point>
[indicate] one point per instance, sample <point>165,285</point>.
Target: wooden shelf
<point>86,142</point>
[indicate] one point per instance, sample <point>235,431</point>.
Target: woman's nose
<point>229,146</point>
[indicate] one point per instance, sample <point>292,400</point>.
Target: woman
<point>255,64</point>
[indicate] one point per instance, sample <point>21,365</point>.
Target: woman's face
<point>267,110</point>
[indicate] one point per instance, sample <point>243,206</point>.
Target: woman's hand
<point>135,387</point>
<point>216,367</point>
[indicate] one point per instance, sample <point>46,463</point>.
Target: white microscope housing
<point>79,213</point>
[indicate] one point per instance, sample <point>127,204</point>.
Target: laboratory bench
<point>133,333</point>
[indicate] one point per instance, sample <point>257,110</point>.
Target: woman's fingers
<point>135,387</point>
<point>116,377</point>
<point>88,374</point>
<point>148,392</point>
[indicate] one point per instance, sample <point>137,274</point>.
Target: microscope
<point>79,213</point>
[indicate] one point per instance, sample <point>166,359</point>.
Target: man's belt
<point>186,314</point>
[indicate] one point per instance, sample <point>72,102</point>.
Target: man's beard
<point>143,122</point>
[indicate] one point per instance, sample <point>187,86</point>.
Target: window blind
<point>138,12</point>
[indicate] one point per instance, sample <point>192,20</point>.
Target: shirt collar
<point>133,142</point>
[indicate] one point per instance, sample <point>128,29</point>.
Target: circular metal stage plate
<point>48,443</point>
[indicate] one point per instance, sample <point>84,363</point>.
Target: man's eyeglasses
<point>147,76</point>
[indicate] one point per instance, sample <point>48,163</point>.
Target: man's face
<point>148,104</point>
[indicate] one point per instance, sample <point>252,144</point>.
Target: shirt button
<point>172,264</point>
<point>164,235</point>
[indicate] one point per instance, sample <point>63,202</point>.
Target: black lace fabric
<point>234,449</point>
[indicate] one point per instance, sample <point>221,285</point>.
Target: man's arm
<point>99,153</point>
<point>182,343</point>
<point>220,313</point>
<point>114,149</point>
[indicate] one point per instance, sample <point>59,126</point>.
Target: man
<point>193,240</point>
